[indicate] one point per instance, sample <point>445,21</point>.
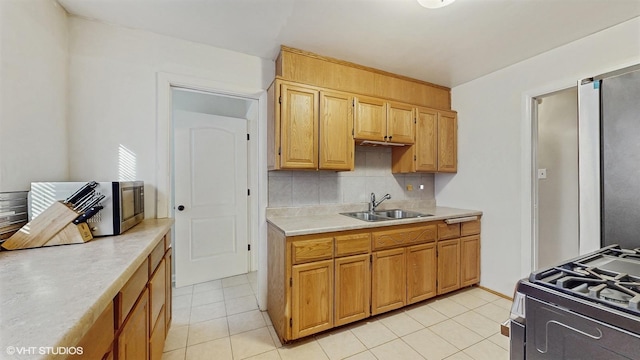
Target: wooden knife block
<point>54,226</point>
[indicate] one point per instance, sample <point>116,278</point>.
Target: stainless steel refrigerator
<point>610,158</point>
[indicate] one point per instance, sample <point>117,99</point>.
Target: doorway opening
<point>210,179</point>
<point>555,183</point>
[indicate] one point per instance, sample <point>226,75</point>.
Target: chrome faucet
<point>373,204</point>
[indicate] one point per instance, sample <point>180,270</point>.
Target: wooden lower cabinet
<point>388,289</point>
<point>312,294</point>
<point>133,342</point>
<point>352,288</point>
<point>168,306</point>
<point>98,340</point>
<point>156,341</point>
<point>422,267</point>
<point>469,260</point>
<point>319,281</point>
<point>135,324</point>
<point>448,265</point>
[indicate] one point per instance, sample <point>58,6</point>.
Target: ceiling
<point>447,46</point>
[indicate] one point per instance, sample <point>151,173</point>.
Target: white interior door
<point>210,167</point>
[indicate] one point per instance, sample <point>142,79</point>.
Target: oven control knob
<point>180,207</point>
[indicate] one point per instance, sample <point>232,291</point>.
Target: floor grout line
<point>348,328</point>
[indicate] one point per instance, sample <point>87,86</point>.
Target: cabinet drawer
<point>312,250</point>
<point>448,231</point>
<point>353,244</point>
<point>403,236</point>
<point>97,341</point>
<point>131,290</point>
<point>157,292</point>
<point>470,228</point>
<point>156,255</point>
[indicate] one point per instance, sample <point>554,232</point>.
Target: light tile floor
<point>220,320</point>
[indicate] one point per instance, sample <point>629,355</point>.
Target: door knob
<point>180,207</point>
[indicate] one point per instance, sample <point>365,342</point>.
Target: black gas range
<point>585,308</point>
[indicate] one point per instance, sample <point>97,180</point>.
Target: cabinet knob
<point>385,137</point>
<point>180,207</point>
<point>390,137</point>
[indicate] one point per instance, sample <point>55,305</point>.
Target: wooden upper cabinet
<point>447,141</point>
<point>298,127</point>
<point>400,123</point>
<point>379,120</point>
<point>336,128</point>
<point>436,144</point>
<point>426,157</point>
<point>370,121</point>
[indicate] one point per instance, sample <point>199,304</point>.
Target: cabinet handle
<point>461,220</point>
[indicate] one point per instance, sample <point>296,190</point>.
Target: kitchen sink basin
<point>366,216</point>
<point>383,215</point>
<point>400,214</point>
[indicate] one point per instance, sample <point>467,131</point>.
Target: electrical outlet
<point>542,173</point>
<point>409,187</point>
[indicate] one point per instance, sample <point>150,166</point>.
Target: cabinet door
<point>157,292</point>
<point>448,266</point>
<point>426,140</point>
<point>447,141</point>
<point>400,123</point>
<point>336,128</point>
<point>352,289</point>
<point>133,342</point>
<point>388,285</point>
<point>299,127</point>
<point>469,260</point>
<point>312,298</point>
<point>168,308</point>
<point>422,266</point>
<point>370,122</point>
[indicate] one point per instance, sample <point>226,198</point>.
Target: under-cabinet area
<point>318,281</point>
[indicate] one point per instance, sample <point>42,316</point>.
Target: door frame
<point>528,180</point>
<point>256,152</point>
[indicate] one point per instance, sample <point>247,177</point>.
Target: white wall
<point>113,74</point>
<point>494,142</point>
<point>33,93</point>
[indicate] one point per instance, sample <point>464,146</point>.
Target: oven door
<point>555,333</point>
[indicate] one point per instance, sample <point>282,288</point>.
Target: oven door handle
<point>594,337</point>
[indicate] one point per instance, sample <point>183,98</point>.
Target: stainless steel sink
<point>383,215</point>
<point>365,216</point>
<point>400,214</point>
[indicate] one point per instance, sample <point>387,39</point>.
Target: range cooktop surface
<point>610,276</point>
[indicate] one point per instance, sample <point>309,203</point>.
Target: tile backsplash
<point>372,173</point>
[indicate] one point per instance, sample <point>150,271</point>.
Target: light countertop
<point>321,223</point>
<point>50,297</point>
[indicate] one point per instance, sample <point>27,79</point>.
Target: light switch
<point>542,173</point>
<point>421,187</point>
